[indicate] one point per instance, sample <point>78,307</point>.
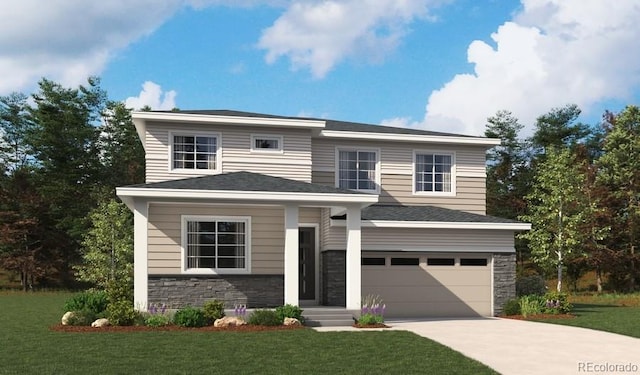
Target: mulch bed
<point>540,316</point>
<point>172,328</point>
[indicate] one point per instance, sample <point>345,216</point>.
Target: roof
<point>425,214</point>
<point>330,124</point>
<point>245,181</point>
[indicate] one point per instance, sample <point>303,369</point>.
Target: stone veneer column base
<point>334,277</point>
<point>504,280</point>
<point>254,291</point>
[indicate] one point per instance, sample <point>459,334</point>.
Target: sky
<point>442,65</point>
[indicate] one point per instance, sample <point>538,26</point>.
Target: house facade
<point>263,210</point>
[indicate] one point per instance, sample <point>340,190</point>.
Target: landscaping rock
<point>229,321</point>
<point>66,317</point>
<point>291,322</point>
<point>102,322</point>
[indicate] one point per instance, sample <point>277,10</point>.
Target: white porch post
<point>291,257</point>
<point>353,258</point>
<point>140,270</point>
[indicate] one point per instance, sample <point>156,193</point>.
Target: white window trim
<point>278,138</point>
<point>451,193</point>
<point>218,169</point>
<point>212,271</point>
<point>358,149</point>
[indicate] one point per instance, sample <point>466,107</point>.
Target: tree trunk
<point>599,280</point>
<point>559,287</point>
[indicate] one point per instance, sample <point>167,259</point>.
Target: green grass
<point>28,347</point>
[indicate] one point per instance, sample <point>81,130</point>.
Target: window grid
<point>195,152</point>
<point>357,170</point>
<point>433,173</point>
<point>219,244</point>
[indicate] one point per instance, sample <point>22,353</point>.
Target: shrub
<point>213,310</point>
<point>556,303</point>
<point>289,311</point>
<point>511,307</point>
<point>369,319</point>
<point>530,285</point>
<point>82,318</point>
<point>88,301</point>
<point>372,305</point>
<point>190,317</point>
<point>157,320</point>
<point>264,317</point>
<point>122,313</point>
<point>530,305</point>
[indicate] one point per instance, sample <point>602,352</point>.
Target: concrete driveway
<point>519,347</point>
<point>515,347</point>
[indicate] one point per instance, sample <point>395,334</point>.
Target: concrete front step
<point>327,317</point>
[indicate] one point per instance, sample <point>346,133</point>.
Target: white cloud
<point>552,53</point>
<point>319,34</point>
<point>153,96</point>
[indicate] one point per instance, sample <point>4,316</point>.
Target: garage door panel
<point>441,309</point>
<point>435,293</point>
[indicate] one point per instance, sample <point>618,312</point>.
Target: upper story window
<point>433,173</point>
<point>357,170</point>
<point>266,143</point>
<point>190,152</point>
<point>215,244</point>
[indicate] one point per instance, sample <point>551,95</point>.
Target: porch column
<point>353,258</point>
<point>291,257</point>
<point>140,270</point>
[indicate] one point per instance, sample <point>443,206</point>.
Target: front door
<point>307,264</point>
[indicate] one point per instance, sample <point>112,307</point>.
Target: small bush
<point>157,320</point>
<point>511,307</point>
<point>370,319</point>
<point>264,318</point>
<point>530,285</point>
<point>213,310</point>
<point>93,301</point>
<point>289,311</point>
<point>556,303</point>
<point>122,313</point>
<point>190,317</point>
<point>530,305</point>
<point>82,318</point>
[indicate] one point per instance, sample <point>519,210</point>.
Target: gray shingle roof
<point>424,213</point>
<point>245,181</point>
<point>330,124</point>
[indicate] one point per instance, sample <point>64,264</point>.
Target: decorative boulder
<point>66,317</point>
<point>229,321</point>
<point>102,322</point>
<point>291,322</point>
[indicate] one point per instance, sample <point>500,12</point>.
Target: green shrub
<point>264,318</point>
<point>122,313</point>
<point>157,320</point>
<point>289,311</point>
<point>82,318</point>
<point>190,317</point>
<point>213,310</point>
<point>556,303</point>
<point>531,305</point>
<point>530,285</point>
<point>93,301</point>
<point>369,319</point>
<point>511,307</point>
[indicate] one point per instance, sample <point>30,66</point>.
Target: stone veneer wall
<point>334,277</point>
<point>250,290</point>
<point>504,280</point>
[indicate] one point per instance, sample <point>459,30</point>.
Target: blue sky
<point>434,64</point>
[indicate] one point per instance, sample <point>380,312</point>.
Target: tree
<point>14,126</point>
<point>559,128</point>
<point>557,209</point>
<point>107,253</point>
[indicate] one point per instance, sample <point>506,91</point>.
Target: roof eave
<point>438,225</point>
<point>221,119</point>
<point>488,142</point>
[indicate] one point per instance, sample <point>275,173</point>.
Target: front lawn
<point>29,347</point>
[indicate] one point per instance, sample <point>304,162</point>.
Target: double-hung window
<point>195,152</point>
<point>215,244</point>
<point>434,173</point>
<point>357,170</point>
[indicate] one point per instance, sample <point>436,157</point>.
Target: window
<point>373,261</point>
<point>216,244</point>
<point>441,262</point>
<point>433,173</point>
<point>481,262</point>
<point>194,152</point>
<point>357,170</point>
<point>405,261</point>
<point>268,143</point>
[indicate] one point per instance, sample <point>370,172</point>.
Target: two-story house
<point>264,210</point>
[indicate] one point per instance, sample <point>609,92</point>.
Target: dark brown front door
<point>307,263</point>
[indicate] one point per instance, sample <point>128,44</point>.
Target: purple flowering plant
<point>372,310</point>
<point>240,310</point>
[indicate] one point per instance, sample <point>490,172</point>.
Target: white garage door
<point>424,285</point>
